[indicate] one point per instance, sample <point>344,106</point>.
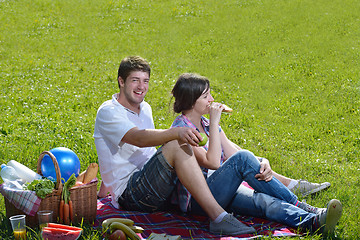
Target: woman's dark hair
<point>188,88</point>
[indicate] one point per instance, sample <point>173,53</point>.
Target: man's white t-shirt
<point>119,160</point>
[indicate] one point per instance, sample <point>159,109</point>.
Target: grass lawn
<point>289,69</point>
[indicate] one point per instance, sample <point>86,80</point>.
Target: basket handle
<point>58,184</point>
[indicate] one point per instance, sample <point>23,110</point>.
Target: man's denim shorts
<point>150,188</point>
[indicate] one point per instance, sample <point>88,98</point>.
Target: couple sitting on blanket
<point>141,178</point>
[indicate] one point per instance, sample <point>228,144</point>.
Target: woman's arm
<point>228,146</point>
<point>204,161</point>
<point>211,158</point>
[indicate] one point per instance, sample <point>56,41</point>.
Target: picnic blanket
<point>189,227</point>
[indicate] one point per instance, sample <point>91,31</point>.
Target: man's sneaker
<point>230,226</point>
<point>306,188</point>
<point>309,208</point>
<point>329,217</point>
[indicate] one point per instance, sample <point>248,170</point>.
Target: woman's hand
<point>265,171</point>
<point>215,112</point>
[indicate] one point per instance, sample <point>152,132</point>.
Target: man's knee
<point>174,150</point>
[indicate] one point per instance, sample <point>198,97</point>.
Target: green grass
<point>289,69</point>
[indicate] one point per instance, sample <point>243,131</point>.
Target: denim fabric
<point>270,200</point>
<point>150,188</point>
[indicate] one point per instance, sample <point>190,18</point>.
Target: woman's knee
<point>244,160</point>
<point>244,156</point>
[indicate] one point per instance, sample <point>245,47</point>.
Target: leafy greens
<point>42,187</point>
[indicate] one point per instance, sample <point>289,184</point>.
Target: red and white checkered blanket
<point>24,200</point>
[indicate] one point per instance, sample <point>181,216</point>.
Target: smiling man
<point>134,90</point>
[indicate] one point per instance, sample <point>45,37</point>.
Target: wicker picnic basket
<point>84,198</point>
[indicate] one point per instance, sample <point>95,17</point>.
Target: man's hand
<point>265,171</point>
<point>189,135</point>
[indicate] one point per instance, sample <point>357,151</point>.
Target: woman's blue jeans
<point>270,200</point>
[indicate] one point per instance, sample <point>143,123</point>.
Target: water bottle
<point>24,172</point>
<point>10,176</point>
<point>8,173</point>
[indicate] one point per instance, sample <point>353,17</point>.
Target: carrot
<point>65,196</point>
<point>71,211</point>
<point>61,211</point>
<point>66,213</point>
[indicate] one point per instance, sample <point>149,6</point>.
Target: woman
<point>270,198</point>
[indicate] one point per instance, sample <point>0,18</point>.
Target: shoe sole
<point>322,187</point>
<point>250,231</point>
<point>333,214</point>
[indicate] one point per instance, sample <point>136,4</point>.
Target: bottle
<point>8,173</point>
<point>10,176</point>
<point>24,172</point>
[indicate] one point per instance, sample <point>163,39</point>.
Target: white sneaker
<point>329,217</point>
<point>306,188</point>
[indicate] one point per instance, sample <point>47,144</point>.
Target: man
<point>139,177</point>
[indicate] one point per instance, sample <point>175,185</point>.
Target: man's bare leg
<point>181,157</point>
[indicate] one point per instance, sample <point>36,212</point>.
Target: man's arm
<point>156,137</point>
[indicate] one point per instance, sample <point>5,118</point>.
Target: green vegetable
<point>42,187</point>
<point>67,185</point>
<point>70,182</point>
